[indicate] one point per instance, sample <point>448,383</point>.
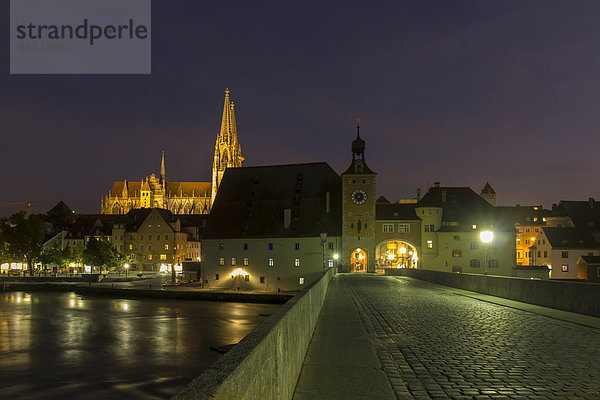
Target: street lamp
<point>126,266</point>
<point>323,240</point>
<point>486,237</point>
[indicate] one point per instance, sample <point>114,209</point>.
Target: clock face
<point>359,196</point>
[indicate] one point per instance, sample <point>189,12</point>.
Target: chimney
<point>591,202</point>
<point>436,184</point>
<point>418,194</point>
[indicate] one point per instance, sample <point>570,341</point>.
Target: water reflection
<point>62,344</point>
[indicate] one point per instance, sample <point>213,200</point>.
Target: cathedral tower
<point>358,208</point>
<point>228,153</point>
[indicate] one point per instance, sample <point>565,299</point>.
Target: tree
<point>24,237</point>
<point>98,253</point>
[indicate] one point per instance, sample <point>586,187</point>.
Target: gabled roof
<point>524,215</point>
<point>590,260</point>
<point>382,199</point>
<point>570,238</point>
<point>463,206</point>
<point>395,211</point>
<point>584,214</point>
<point>251,202</point>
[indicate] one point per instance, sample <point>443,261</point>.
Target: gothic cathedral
<point>358,212</point>
<point>180,197</point>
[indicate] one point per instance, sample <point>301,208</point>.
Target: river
<point>67,346</point>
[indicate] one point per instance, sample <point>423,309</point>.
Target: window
<point>271,262</point>
<point>130,237</point>
<point>262,279</point>
<point>233,261</point>
<point>429,228</point>
<point>526,241</point>
<point>270,246</point>
<point>388,228</point>
<point>456,253</point>
<point>565,268</point>
<point>545,253</point>
<point>598,272</point>
<point>518,254</point>
<point>456,237</point>
<point>301,281</point>
<point>166,247</point>
<point>526,229</point>
<point>150,247</point>
<point>475,263</point>
<point>130,247</point>
<point>331,243</point>
<point>149,256</point>
<point>474,226</point>
<point>142,237</point>
<point>149,226</point>
<point>430,244</point>
<point>141,247</point>
<point>537,229</point>
<point>163,256</point>
<point>221,260</point>
<point>474,245</point>
<point>245,261</point>
<point>296,262</point>
<point>245,246</point>
<point>297,246</point>
<point>330,263</point>
<point>166,237</point>
<point>157,237</point>
<point>539,254</point>
<point>221,246</point>
<point>404,228</point>
<point>216,277</point>
<point>493,263</point>
<point>564,254</point>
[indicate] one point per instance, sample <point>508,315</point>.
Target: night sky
<point>460,92</point>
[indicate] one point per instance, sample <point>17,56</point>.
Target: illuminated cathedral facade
<point>180,197</point>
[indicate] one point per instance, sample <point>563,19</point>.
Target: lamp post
<point>323,240</point>
<point>335,258</point>
<point>486,237</point>
<point>126,266</point>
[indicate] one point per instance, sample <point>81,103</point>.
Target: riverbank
<point>155,291</point>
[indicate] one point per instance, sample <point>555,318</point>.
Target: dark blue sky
<point>454,91</point>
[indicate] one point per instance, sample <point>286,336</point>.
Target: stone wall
<point>579,297</point>
<point>267,362</point>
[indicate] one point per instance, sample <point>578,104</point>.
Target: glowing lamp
<point>486,236</point>
<point>238,272</point>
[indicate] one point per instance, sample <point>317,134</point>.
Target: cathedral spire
<point>228,152</point>
<point>163,175</point>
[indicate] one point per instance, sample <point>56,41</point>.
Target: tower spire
<point>163,174</point>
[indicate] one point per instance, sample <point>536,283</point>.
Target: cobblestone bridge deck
<point>381,337</point>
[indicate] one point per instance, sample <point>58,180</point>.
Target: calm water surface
<point>67,346</point>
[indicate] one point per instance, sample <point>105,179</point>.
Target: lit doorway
<point>358,261</point>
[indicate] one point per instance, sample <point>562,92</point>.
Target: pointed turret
<point>228,152</point>
<point>163,174</point>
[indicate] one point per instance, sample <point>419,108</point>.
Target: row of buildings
<point>279,227</point>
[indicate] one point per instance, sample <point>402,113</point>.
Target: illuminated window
<point>301,281</point>
<point>475,263</point>
<point>221,260</point>
<point>271,262</point>
<point>166,247</point>
<point>233,261</point>
<point>149,226</point>
<point>149,256</point>
<point>163,256</point>
<point>565,268</point>
<point>130,247</point>
<point>296,262</point>
<point>474,226</point>
<point>330,263</point>
<point>430,244</point>
<point>564,254</point>
<point>456,253</point>
<point>245,260</point>
<point>270,246</point>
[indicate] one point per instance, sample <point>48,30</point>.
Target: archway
<point>396,254</point>
<point>358,261</point>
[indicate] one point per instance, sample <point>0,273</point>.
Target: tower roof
<point>358,145</point>
<point>487,189</point>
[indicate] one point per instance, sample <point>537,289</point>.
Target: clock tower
<point>358,208</point>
